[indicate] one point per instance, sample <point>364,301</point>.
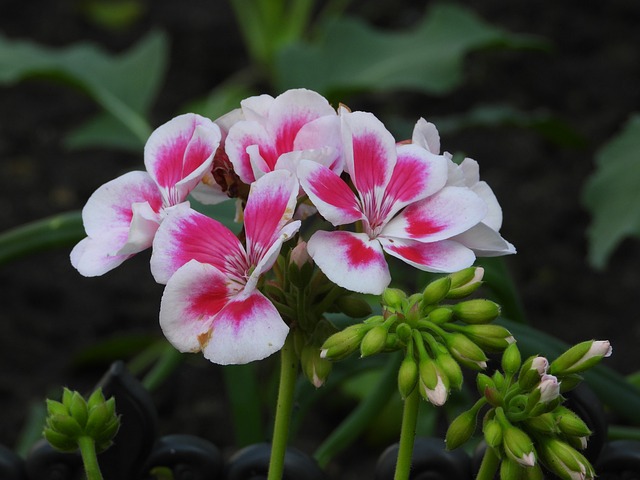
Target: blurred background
<point>535,97</point>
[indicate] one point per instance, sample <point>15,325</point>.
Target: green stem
<point>89,458</point>
<point>407,435</point>
<point>284,407</point>
<point>489,465</point>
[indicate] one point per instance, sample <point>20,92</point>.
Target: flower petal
<point>426,135</point>
<point>322,135</point>
<point>449,212</point>
<point>443,256</point>
<point>270,206</point>
<point>186,235</point>
<point>350,260</point>
<point>329,193</point>
<point>194,295</point>
<point>485,241</point>
<point>243,135</point>
<point>179,153</point>
<point>92,257</point>
<point>248,328</point>
<point>369,151</point>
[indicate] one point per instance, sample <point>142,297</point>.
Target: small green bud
<point>492,338</point>
<point>65,425</point>
<point>440,315</point>
<point>544,423</point>
<point>498,379</point>
<point>461,429</point>
<point>466,351</point>
<point>531,372</point>
<point>564,460</point>
<point>492,432</point>
<point>60,441</point>
<point>353,306</point>
<point>450,368</point>
<point>78,409</point>
<point>393,298</point>
<point>580,357</point>
<point>374,341</point>
<point>476,311</point>
<point>510,470</point>
<point>472,283</point>
<point>56,408</point>
<point>518,446</point>
<point>404,332</point>
<point>434,386</point>
<point>483,382</point>
<point>407,376</point>
<point>315,368</point>
<point>436,291</point>
<point>511,360</point>
<point>343,343</point>
<point>570,423</point>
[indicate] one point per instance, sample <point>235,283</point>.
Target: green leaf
<point>612,196</point>
<point>124,85</point>
<point>351,55</point>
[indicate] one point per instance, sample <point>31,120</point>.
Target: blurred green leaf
<point>351,55</point>
<point>113,14</point>
<point>220,100</point>
<point>124,85</point>
<point>612,195</point>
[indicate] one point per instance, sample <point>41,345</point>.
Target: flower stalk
<point>407,435</point>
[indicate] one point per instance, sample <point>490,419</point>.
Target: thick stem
<point>489,465</point>
<point>407,435</point>
<point>89,458</point>
<point>288,375</point>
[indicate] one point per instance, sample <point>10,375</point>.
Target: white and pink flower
<point>402,201</point>
<point>276,133</point>
<point>211,302</point>
<point>122,216</point>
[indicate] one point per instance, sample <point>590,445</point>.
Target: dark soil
<point>50,314</point>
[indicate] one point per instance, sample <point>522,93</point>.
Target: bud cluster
<point>437,338</point>
<point>526,424</point>
<point>74,417</point>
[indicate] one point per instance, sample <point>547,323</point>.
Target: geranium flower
<point>211,302</point>
<point>277,132</point>
<point>401,201</point>
<point>484,238</point>
<point>122,216</point>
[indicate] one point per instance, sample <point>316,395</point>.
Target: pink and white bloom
<point>211,302</point>
<point>277,133</point>
<point>402,202</point>
<point>549,388</point>
<point>122,216</point>
<point>484,238</point>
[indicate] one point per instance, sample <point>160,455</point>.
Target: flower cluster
<point>284,159</point>
<point>526,424</point>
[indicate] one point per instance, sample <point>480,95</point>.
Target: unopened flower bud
<point>374,340</point>
<point>580,357</point>
<point>532,370</point>
<point>434,386</point>
<point>476,311</point>
<point>493,338</point>
<point>465,351</point>
<point>407,376</point>
<point>315,368</point>
<point>436,291</point>
<point>450,368</point>
<point>343,343</point>
<point>492,432</point>
<point>299,255</point>
<point>465,282</point>
<point>564,460</point>
<point>518,446</point>
<point>483,382</point>
<point>570,423</point>
<point>404,332</point>
<point>544,423</point>
<point>440,315</point>
<point>353,306</point>
<point>511,359</point>
<point>461,429</point>
<point>393,298</point>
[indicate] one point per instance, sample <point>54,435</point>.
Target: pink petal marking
<point>443,256</point>
<point>271,204</point>
<point>248,328</point>
<point>449,212</point>
<point>242,135</point>
<point>350,260</point>
<point>186,235</point>
<point>370,152</point>
<point>329,193</point>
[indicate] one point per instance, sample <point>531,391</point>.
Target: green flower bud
<point>532,370</point>
<point>483,382</point>
<point>465,282</point>
<point>436,291</point>
<point>56,408</point>
<point>544,423</point>
<point>564,460</point>
<point>434,386</point>
<point>404,332</point>
<point>465,351</point>
<point>518,446</point>
<point>498,379</point>
<point>78,409</point>
<point>315,368</point>
<point>393,298</point>
<point>374,341</point>
<point>65,424</point>
<point>440,315</point>
<point>511,359</point>
<point>450,368</point>
<point>492,433</point>
<point>570,423</point>
<point>580,357</point>
<point>492,338</point>
<point>407,375</point>
<point>476,311</point>
<point>60,441</point>
<point>461,429</point>
<point>343,343</point>
<point>353,306</point>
